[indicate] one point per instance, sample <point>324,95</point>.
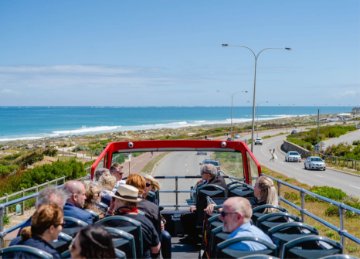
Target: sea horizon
<point>36,122</point>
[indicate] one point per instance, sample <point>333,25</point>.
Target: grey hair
<point>210,169</point>
<point>50,195</point>
<point>101,171</point>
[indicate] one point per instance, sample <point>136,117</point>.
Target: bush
<point>328,192</point>
<point>50,152</point>
<point>291,196</point>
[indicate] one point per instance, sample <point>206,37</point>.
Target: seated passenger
<point>93,198</point>
<point>75,203</point>
<point>99,172</point>
<point>125,201</point>
<point>209,175</point>
<point>92,242</point>
<point>151,212</point>
<point>236,215</point>
<point>265,193</point>
<point>49,195</point>
<point>151,185</point>
<point>116,170</point>
<point>46,224</point>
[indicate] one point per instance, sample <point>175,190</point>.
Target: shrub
<point>291,196</point>
<point>50,152</point>
<point>328,192</point>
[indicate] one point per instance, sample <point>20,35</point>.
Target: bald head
<point>240,205</point>
<point>76,191</point>
<point>236,212</point>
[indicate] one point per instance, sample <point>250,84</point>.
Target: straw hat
<point>127,192</point>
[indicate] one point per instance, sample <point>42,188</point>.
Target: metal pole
<point>232,107</point>
<point>253,108</point>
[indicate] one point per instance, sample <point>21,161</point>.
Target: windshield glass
<point>316,159</point>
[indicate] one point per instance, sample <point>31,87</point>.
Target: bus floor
<point>180,250</point>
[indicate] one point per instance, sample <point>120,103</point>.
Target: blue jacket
<point>71,210</point>
<point>35,242</point>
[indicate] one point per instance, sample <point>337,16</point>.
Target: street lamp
<point>257,116</point>
<point>232,107</point>
<point>256,56</point>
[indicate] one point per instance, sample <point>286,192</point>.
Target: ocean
<point>18,123</point>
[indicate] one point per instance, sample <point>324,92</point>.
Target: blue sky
<point>168,53</point>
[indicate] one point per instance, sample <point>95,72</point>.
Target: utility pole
<point>318,131</point>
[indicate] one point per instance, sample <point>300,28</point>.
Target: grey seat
<point>9,252</point>
<point>123,241</point>
<point>270,220</point>
<point>258,211</point>
<point>311,246</point>
<point>73,225</point>
<point>126,224</point>
<point>223,250</point>
<point>339,256</point>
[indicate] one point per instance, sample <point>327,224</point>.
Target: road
<point>348,183</point>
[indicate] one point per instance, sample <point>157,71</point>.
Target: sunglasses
<point>148,184</point>
<point>61,224</point>
<point>223,213</point>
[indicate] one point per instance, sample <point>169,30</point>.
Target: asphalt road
<point>348,183</point>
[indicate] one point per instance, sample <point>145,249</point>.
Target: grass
<point>318,208</point>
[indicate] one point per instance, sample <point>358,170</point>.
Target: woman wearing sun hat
<point>124,203</point>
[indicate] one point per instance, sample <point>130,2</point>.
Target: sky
<point>169,53</point>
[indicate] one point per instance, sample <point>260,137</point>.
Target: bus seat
<point>258,211</point>
<point>27,251</point>
<point>270,220</point>
<point>311,246</point>
<point>128,225</point>
<point>223,250</point>
<point>73,225</point>
<point>123,240</point>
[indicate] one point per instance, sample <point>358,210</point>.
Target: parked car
<point>292,156</point>
<point>314,162</point>
<point>258,141</point>
<point>201,153</point>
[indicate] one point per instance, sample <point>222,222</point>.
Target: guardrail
<point>341,207</point>
<point>23,192</point>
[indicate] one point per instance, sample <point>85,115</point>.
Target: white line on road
<point>357,187</point>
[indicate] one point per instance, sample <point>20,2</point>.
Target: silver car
<point>314,162</point>
<point>292,156</point>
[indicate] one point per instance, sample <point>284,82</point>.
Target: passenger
<point>107,183</point>
<point>265,193</point>
<point>76,201</point>
<point>151,185</point>
<point>99,172</point>
<point>49,195</point>
<point>125,201</point>
<point>209,175</point>
<point>92,242</point>
<point>117,170</point>
<point>236,215</point>
<point>93,198</point>
<point>152,212</point>
<point>46,224</point>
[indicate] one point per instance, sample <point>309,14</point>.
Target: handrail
<point>341,206</point>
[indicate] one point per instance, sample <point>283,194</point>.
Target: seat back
<point>120,254</point>
<point>62,243</point>
<point>27,251</point>
<point>270,220</point>
<point>258,211</point>
<point>311,246</point>
<point>73,225</point>
<point>123,241</point>
<point>204,191</point>
<point>223,249</point>
<point>128,225</point>
<point>239,189</point>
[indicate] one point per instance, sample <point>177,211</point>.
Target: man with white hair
<point>236,215</point>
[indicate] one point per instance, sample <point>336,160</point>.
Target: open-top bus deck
<point>176,165</point>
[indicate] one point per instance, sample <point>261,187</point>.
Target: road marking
<point>353,186</point>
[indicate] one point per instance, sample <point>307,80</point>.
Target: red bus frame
<point>180,145</point>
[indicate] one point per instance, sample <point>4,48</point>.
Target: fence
<point>342,208</point>
<point>25,192</point>
<point>343,162</point>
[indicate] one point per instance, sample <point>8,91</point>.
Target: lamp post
<point>256,56</point>
<point>257,116</point>
<point>232,107</point>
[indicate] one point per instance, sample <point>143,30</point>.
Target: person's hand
<point>162,225</point>
<point>192,208</point>
<point>209,209</point>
